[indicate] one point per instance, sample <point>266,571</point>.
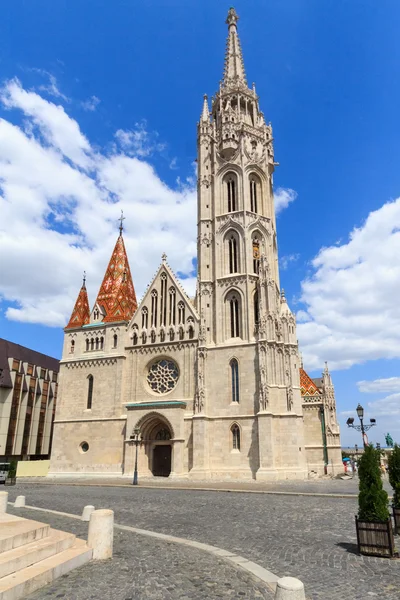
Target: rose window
<point>163,376</point>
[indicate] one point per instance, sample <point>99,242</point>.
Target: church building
<point>212,386</point>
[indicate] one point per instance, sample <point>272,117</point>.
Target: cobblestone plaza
<point>309,537</point>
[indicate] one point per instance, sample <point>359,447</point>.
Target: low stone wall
<point>33,468</point>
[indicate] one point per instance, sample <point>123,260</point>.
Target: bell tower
<point>247,363</point>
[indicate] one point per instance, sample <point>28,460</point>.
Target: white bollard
<point>19,502</point>
<point>289,588</point>
<point>101,533</point>
<point>87,511</point>
<point>3,502</point>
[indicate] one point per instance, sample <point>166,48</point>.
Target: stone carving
<point>200,383</point>
<point>264,392</point>
<point>289,397</point>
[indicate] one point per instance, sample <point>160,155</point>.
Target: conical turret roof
<point>81,314</point>
<point>117,296</point>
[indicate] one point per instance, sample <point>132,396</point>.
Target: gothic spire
<point>117,296</point>
<point>234,74</point>
<point>81,314</point>
<point>205,115</point>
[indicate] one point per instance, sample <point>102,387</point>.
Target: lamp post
<point>362,427</point>
<point>136,441</point>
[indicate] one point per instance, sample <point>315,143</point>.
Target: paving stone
<point>311,538</point>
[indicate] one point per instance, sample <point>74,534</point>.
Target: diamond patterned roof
<point>81,314</point>
<point>307,386</point>
<point>117,294</point>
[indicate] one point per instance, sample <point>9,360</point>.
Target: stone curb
<point>196,489</point>
<point>238,561</point>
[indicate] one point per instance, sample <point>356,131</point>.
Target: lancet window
<point>154,303</point>
<point>72,349</point>
<point>181,313</point>
<point>230,183</point>
<point>172,305</point>
<point>255,189</point>
<point>234,379</point>
<point>234,315</point>
<point>90,392</point>
<point>145,318</point>
<point>102,343</point>
<point>115,340</point>
<point>163,300</point>
<point>233,254</point>
<point>256,309</point>
<point>256,255</point>
<point>235,431</point>
<point>87,345</point>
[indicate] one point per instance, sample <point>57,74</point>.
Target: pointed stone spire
<point>205,115</point>
<point>117,296</point>
<point>234,74</point>
<point>81,314</point>
<point>326,376</point>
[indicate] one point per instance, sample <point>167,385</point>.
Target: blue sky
<point>130,77</point>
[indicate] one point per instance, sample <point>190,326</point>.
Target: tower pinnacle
<point>234,74</point>
<point>81,314</point>
<point>205,115</point>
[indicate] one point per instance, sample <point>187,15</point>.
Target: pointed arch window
<point>162,335</point>
<point>256,309</point>
<point>87,345</point>
<point>181,333</point>
<point>92,344</point>
<point>163,299</point>
<point>154,302</point>
<point>144,337</point>
<point>101,343</point>
<point>90,392</point>
<point>233,254</point>
<point>115,340</point>
<point>171,335</point>
<point>234,315</point>
<point>256,255</point>
<point>72,349</point>
<point>172,305</point>
<point>231,193</point>
<point>234,380</point>
<point>153,336</point>
<point>255,188</point>
<point>235,431</point>
<point>96,314</point>
<point>97,343</point>
<point>145,318</point>
<point>181,313</point>
<point>135,338</point>
<point>191,332</point>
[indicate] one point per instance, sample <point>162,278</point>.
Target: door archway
<point>157,435</point>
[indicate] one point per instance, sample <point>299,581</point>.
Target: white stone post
<point>3,502</point>
<point>101,533</point>
<point>289,588</point>
<point>19,502</point>
<point>87,511</point>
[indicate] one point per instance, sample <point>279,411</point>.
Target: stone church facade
<point>214,385</point>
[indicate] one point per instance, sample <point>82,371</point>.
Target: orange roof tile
<point>81,314</point>
<point>307,386</point>
<point>117,294</point>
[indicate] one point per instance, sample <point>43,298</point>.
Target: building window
<point>135,338</point>
<point>115,340</point>
<point>54,377</point>
<point>233,254</point>
<point>171,335</point>
<point>231,194</point>
<point>163,300</point>
<point>144,337</point>
<point>72,349</point>
<point>29,370</point>
<point>96,314</point>
<point>154,304</point>
<point>256,309</point>
<point>181,313</point>
<point>162,335</point>
<point>235,430</point>
<point>145,318</point>
<point>101,343</point>
<point>256,255</point>
<point>97,343</point>
<point>12,425</point>
<point>181,333</point>
<point>87,345</point>
<point>15,365</point>
<point>90,392</point>
<point>163,376</point>
<point>42,373</point>
<point>191,332</point>
<point>83,447</point>
<point>234,316</point>
<point>172,308</point>
<point>92,344</point>
<point>153,336</point>
<point>254,187</point>
<point>235,379</point>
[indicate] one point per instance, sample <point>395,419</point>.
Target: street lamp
<point>136,441</point>
<point>363,428</point>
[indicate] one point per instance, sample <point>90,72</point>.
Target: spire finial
<point>121,221</point>
<point>84,279</point>
<point>234,74</point>
<point>232,17</point>
<point>164,257</point>
<point>283,297</point>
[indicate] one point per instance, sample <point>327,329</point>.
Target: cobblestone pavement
<point>312,538</point>
<point>147,569</point>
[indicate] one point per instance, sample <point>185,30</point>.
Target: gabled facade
<point>213,384</point>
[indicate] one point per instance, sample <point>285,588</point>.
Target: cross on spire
<point>121,220</point>
<point>84,279</point>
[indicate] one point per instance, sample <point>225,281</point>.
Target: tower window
<point>234,379</point>
<point>231,194</point>
<point>92,344</point>
<point>253,194</point>
<point>102,343</point>
<point>256,255</point>
<point>72,350</point>
<point>87,345</point>
<point>97,343</point>
<point>234,314</point>
<point>115,340</point>
<point>256,309</point>
<point>90,392</point>
<point>233,255</point>
<point>235,431</point>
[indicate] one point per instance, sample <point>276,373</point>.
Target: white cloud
<point>391,384</point>
<point>59,203</point>
<point>139,141</point>
<point>283,197</point>
<point>351,299</point>
<point>91,103</point>
<point>389,406</point>
<point>289,259</point>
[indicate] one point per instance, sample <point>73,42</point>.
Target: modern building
<point>213,384</point>
<point>28,397</point>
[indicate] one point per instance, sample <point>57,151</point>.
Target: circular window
<point>84,447</point>
<point>163,376</point>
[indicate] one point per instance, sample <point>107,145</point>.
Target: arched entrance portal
<point>157,434</point>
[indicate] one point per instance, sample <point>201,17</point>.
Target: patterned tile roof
<point>81,314</point>
<point>307,386</point>
<point>117,294</point>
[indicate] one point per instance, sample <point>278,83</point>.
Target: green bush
<point>372,498</point>
<point>394,474</point>
<point>12,472</point>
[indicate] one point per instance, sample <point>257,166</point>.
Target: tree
<point>372,498</point>
<point>394,474</point>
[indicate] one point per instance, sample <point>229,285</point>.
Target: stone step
<point>29,554</point>
<point>25,582</point>
<point>15,532</point>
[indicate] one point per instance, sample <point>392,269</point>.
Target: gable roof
<point>307,386</point>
